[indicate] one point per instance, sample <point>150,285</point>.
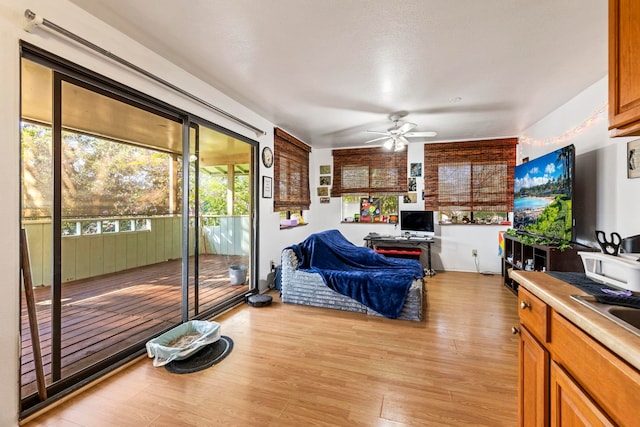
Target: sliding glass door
<point>137,219</point>
<point>222,223</point>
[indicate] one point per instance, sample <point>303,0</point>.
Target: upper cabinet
<point>624,67</point>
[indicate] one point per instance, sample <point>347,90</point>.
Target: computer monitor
<point>419,223</point>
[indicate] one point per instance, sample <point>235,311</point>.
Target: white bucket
<point>238,274</point>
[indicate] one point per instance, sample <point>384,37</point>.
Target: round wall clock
<point>267,157</point>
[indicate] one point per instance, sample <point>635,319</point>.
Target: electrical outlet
<point>474,253</point>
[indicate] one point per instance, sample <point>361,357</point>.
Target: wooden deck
<point>104,315</point>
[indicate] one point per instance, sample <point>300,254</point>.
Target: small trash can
<point>238,274</point>
<point>278,279</point>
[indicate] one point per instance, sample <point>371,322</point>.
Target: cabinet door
<point>533,382</point>
<point>570,406</point>
<point>610,382</point>
<point>624,67</point>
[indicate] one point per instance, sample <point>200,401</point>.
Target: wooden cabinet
<point>533,361</point>
<point>542,258</point>
<point>570,406</point>
<point>610,382</point>
<point>624,67</point>
<point>567,378</point>
<point>533,381</point>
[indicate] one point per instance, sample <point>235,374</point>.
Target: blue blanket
<point>376,281</point>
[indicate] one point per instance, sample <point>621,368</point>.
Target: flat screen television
<point>543,199</point>
<point>419,223</point>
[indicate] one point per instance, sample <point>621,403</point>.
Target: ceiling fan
<point>396,136</point>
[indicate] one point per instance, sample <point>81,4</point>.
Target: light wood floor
<point>302,366</point>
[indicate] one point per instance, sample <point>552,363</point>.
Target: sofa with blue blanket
<point>326,270</point>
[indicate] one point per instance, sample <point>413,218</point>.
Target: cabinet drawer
<point>533,314</point>
<point>611,383</point>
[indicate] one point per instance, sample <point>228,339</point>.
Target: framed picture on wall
<point>633,159</point>
<point>412,184</point>
<point>410,198</point>
<point>325,169</point>
<point>267,187</point>
<point>416,169</point>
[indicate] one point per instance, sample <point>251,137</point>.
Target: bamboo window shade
<point>369,171</point>
<point>470,176</point>
<point>291,173</point>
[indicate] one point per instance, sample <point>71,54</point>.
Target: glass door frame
<point>66,71</point>
<point>195,123</point>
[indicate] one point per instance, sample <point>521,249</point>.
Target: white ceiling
<point>326,70</point>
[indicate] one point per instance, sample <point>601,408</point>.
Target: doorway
<point>135,216</point>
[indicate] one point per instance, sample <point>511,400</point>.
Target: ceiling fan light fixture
<point>396,136</point>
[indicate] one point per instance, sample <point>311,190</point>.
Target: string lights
<point>570,134</point>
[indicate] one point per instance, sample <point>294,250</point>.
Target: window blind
<point>291,173</point>
<point>470,176</point>
<point>369,171</point>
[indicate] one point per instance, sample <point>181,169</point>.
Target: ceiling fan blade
<point>406,127</point>
<point>376,139</point>
<point>420,134</point>
<point>378,132</point>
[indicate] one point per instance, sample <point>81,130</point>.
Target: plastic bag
<point>182,341</point>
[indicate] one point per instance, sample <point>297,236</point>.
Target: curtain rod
<point>34,21</point>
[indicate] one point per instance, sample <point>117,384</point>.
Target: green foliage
<point>555,220</point>
<point>242,199</point>
<point>512,232</point>
<point>36,171</point>
<point>106,178</point>
<point>530,239</point>
<point>213,194</point>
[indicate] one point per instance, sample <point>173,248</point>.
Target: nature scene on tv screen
<point>543,195</point>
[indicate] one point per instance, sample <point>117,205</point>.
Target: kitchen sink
<point>627,317</point>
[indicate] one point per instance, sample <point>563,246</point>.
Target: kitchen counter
<point>557,294</point>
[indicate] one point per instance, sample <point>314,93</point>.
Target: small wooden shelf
<point>545,258</point>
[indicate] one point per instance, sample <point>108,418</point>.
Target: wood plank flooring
<point>304,366</point>
<point>106,314</point>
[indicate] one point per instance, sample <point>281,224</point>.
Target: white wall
<point>67,15</point>
<point>452,250</point>
<point>606,199</point>
<point>9,217</point>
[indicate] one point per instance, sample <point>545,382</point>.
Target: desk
<point>371,241</point>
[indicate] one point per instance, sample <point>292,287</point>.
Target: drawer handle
<point>524,305</point>
<point>515,331</point>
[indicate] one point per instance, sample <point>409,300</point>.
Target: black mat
<point>208,356</point>
<point>581,281</point>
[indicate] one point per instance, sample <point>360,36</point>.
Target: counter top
<point>557,294</point>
